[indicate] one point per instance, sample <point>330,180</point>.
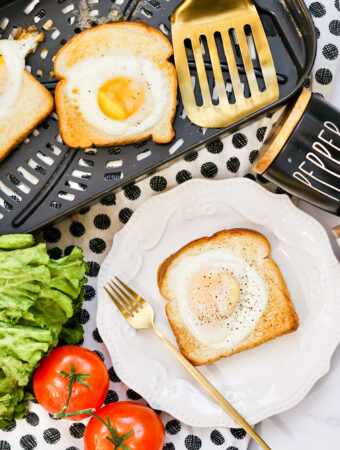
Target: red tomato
<point>50,388</point>
<point>148,429</point>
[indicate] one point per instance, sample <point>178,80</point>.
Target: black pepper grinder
<point>302,153</point>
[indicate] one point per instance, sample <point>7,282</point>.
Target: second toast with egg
<point>262,314</point>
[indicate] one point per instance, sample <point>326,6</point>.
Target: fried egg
<point>12,65</point>
<point>119,95</point>
<point>221,297</point>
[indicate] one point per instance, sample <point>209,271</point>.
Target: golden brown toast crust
<point>34,105</point>
<point>74,130</point>
<point>279,317</point>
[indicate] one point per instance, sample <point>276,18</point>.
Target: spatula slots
<point>225,46</point>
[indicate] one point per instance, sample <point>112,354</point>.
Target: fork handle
<point>215,394</point>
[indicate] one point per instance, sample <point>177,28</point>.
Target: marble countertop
<point>314,424</point>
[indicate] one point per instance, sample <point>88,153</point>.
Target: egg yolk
<point>213,294</point>
<point>2,61</point>
<point>120,97</point>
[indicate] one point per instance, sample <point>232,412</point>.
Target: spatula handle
<point>217,396</point>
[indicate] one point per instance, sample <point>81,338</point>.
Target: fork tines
<point>126,300</point>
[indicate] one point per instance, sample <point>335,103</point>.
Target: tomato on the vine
<point>50,387</point>
<point>147,428</point>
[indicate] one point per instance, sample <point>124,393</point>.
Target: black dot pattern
<point>108,200</point>
<point>4,445</point>
<point>111,397</point>
<point>334,27</point>
<point>217,438</point>
<point>51,435</point>
<point>102,221</point>
<point>51,235</point>
<point>96,336</point>
<point>191,157</point>
<point>125,214</point>
<point>84,316</point>
<point>32,419</point>
<point>215,147</point>
<point>10,427</point>
<point>182,176</point>
<point>132,192</point>
<point>68,250</point>
<point>317,9</point>
<point>330,51</point>
<point>323,76</point>
<point>192,442</point>
<point>77,229</point>
<point>238,433</point>
<point>233,164</point>
<point>252,156</point>
<point>239,140</point>
<point>209,170</point>
<point>97,245</point>
<point>113,376</point>
<point>89,292</point>
<point>28,442</point>
<point>84,210</point>
<point>93,269</point>
<point>158,184</point>
<point>173,426</point>
<point>260,133</point>
<point>55,252</point>
<point>250,176</point>
<point>317,32</point>
<point>169,446</point>
<point>100,354</point>
<point>132,395</point>
<point>77,430</point>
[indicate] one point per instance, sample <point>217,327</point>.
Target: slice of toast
<point>119,38</point>
<point>278,318</point>
<point>33,106</point>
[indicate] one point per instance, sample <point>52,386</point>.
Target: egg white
<point>228,332</point>
<point>89,75</point>
<point>14,58</point>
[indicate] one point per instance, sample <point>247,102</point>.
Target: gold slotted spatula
<point>196,20</point>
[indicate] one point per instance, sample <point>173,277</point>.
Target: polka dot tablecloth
<point>94,228</point>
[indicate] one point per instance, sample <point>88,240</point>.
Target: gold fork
<point>139,314</point>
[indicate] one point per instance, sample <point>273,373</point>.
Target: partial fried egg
<point>221,297</point>
<point>119,95</point>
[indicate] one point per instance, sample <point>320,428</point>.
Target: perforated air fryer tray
<point>43,180</point>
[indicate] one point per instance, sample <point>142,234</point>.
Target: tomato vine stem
<point>73,376</point>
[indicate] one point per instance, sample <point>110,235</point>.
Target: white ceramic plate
<point>259,382</point>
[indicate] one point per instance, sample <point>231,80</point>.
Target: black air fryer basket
<point>43,180</point>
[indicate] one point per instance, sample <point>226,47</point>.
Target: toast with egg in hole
<point>24,102</point>
<point>117,86</point>
<point>225,295</point>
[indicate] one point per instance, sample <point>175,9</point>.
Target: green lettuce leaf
<point>40,301</point>
<point>12,241</point>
